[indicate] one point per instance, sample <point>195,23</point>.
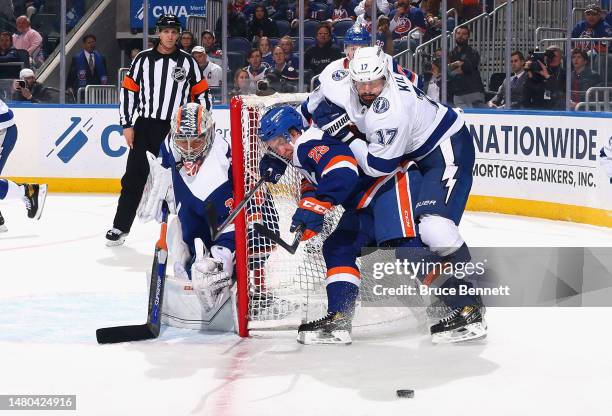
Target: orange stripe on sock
<point>343,269</point>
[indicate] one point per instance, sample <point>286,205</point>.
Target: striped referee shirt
<point>157,84</point>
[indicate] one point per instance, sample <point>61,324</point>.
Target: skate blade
<point>471,332</point>
<point>115,243</point>
<point>3,228</point>
<point>319,338</point>
<point>42,197</point>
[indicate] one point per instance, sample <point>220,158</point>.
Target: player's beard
<point>367,99</point>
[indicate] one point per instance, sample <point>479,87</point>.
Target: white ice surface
<point>60,283</point>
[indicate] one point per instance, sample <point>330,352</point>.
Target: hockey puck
<point>405,394</point>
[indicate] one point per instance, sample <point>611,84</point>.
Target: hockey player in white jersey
<point>401,123</point>
<point>333,90</point>
<point>192,174</point>
<point>33,195</point>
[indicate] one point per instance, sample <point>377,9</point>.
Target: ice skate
<point>34,198</point>
<point>335,328</point>
<point>463,324</point>
<point>115,237</point>
<point>3,228</point>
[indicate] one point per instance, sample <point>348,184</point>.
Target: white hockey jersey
<point>6,116</point>
<point>213,74</point>
<point>401,123</point>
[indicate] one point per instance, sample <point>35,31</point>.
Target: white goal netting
<point>283,289</point>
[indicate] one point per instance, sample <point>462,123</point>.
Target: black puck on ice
<point>407,394</point>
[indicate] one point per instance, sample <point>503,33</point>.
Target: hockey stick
<point>276,238</point>
<point>212,214</point>
<point>149,330</point>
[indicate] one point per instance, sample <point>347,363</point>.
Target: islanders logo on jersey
<point>339,75</point>
<point>380,105</point>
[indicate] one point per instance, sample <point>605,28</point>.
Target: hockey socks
<point>341,297</point>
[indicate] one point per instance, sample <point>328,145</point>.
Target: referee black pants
<point>148,136</point>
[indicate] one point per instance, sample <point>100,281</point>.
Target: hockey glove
<point>309,217</point>
<point>273,167</point>
<point>605,159</point>
<point>211,274</point>
<point>157,189</point>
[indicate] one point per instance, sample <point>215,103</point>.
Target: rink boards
<point>540,164</point>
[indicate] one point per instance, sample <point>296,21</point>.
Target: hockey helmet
<point>369,64</point>
<point>357,35</point>
<point>168,20</point>
<point>192,132</point>
<point>278,121</point>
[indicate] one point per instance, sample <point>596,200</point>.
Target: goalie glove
<point>605,158</point>
<point>157,189</point>
<point>310,216</point>
<point>211,274</point>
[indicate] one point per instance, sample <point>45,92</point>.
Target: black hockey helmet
<point>168,20</point>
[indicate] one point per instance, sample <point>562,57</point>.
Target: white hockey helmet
<point>192,131</point>
<point>369,64</point>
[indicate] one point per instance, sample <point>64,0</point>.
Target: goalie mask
<point>192,134</point>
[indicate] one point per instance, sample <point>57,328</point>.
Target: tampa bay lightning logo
<point>380,105</point>
<point>339,75</point>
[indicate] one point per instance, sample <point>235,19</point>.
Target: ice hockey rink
<point>60,283</point>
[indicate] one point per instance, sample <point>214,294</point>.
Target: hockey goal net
<point>275,289</point>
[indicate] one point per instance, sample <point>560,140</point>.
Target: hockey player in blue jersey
<point>378,211</point>
<point>401,123</point>
<point>33,195</point>
<point>192,173</point>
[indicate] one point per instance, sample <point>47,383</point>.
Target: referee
<point>160,80</point>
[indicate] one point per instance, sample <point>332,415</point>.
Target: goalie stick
<point>150,329</point>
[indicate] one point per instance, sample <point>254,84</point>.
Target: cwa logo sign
<point>157,8</point>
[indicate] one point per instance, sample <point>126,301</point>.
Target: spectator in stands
<point>365,6</point>
<point>243,6</point>
<point>517,84</point>
<point>28,89</point>
<point>545,82</point>
<point>281,67</point>
<point>343,9</point>
<point>432,79</point>
<point>464,79</point>
<point>242,83</point>
<point>277,9</point>
<point>187,41</point>
<point>384,36</point>
<point>208,41</point>
<point>318,56</point>
<point>8,53</point>
<point>264,49</point>
<point>593,26</point>
<point>7,16</point>
<point>312,11</point>
<point>583,77</point>
<point>433,17</point>
<point>28,7</point>
<point>88,67</point>
<point>237,23</point>
<point>256,69</point>
<point>405,17</point>
<point>286,44</point>
<point>210,70</point>
<point>262,25</point>
<point>30,40</point>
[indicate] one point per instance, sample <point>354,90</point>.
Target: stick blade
<point>126,333</point>
<point>266,232</point>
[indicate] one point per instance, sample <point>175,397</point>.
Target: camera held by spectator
<point>28,89</point>
<point>537,59</point>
